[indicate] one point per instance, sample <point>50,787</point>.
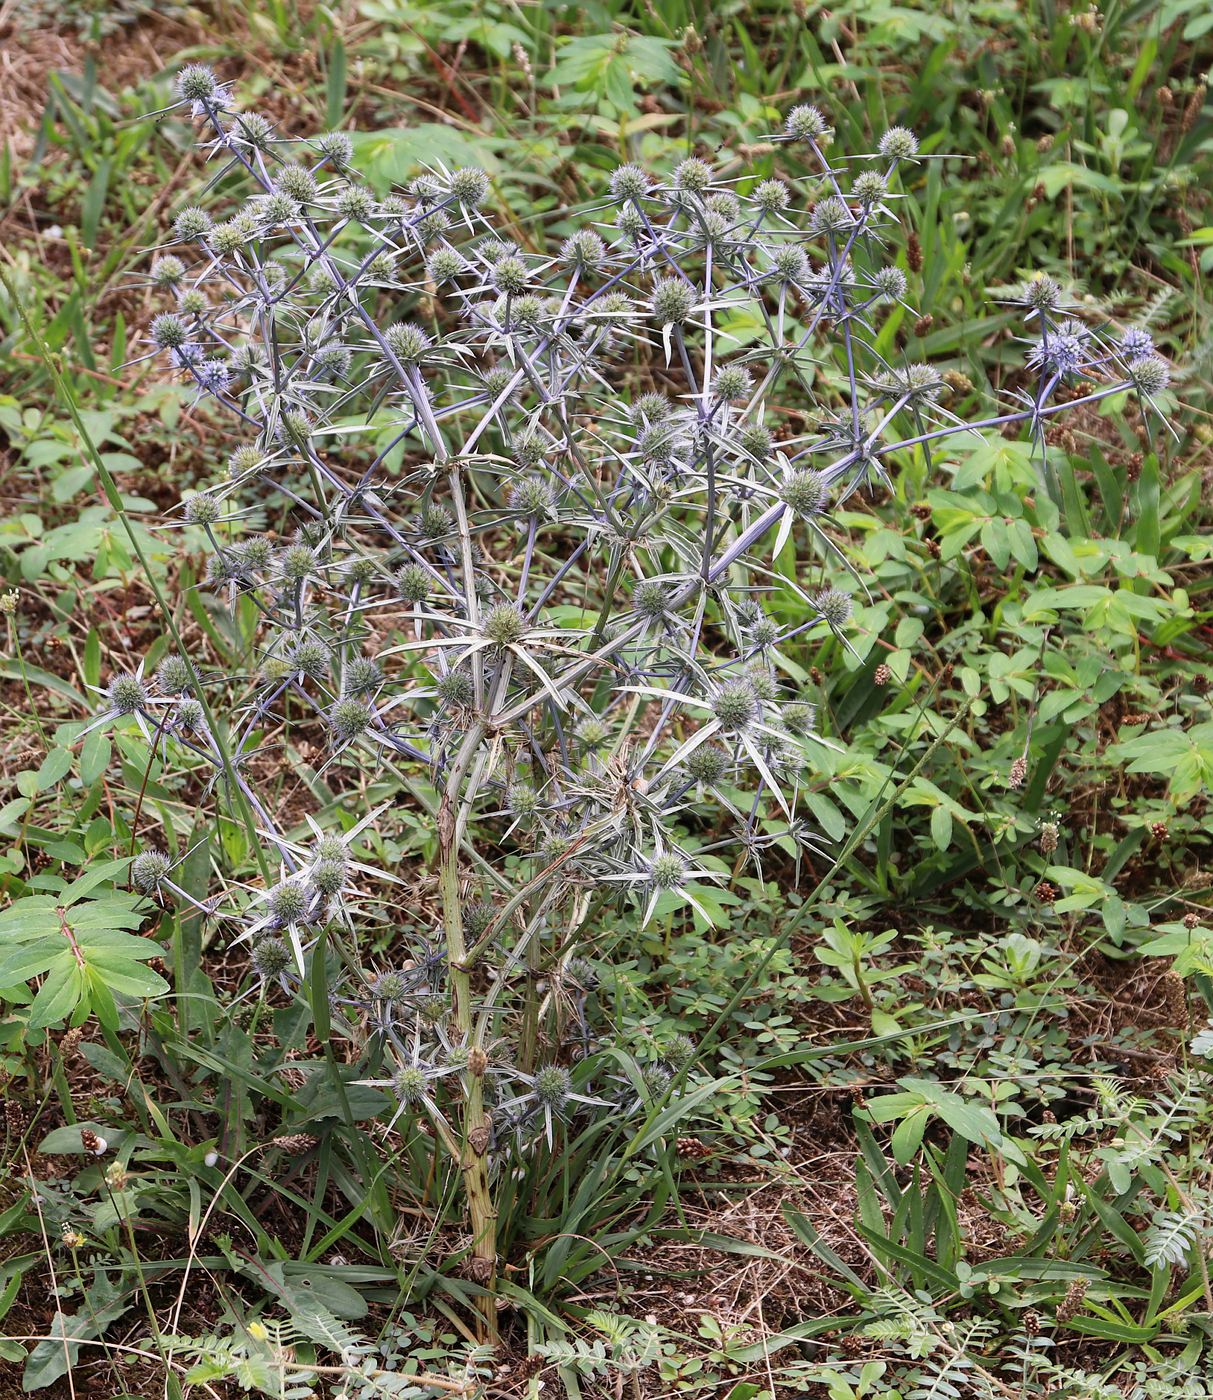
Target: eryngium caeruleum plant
<point>533,497</point>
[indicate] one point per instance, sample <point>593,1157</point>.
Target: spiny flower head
<point>148,870</point>
<point>805,123</point>
<point>651,599</point>
<point>629,182</point>
<point>898,143</point>
<point>1150,374</point>
<point>833,606</point>
<point>197,83</point>
<point>455,688</point>
<point>707,764</point>
<point>668,870</point>
<point>672,301</point>
<point>127,693</point>
<point>349,718</point>
<point>533,499</point>
<point>771,196</point>
<point>410,1085</point>
<point>504,624</point>
<point>173,676</point>
<point>584,250</point>
<point>414,583</point>
<point>470,187</point>
<point>271,957</point>
<point>408,342</point>
<point>287,903</point>
<point>553,1086</point>
<point>735,705</point>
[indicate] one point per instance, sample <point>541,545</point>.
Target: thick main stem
<point>475,1134</point>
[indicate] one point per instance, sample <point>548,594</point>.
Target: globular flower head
<point>659,444</point>
<point>332,360</point>
<point>190,715</point>
<point>169,331</point>
<point>672,301</point>
<point>678,1051</point>
<point>192,302</point>
<point>392,987</point>
<point>408,342</point>
<point>148,870</point>
<point>870,187</point>
<point>348,719</point>
<point>585,250</point>
<point>1065,351</point>
<point>707,764</point>
<point>478,915</point>
<point>805,491</point>
<point>732,382</point>
<point>253,130</point>
<point>297,563</point>
<point>167,272</point>
<point>591,733</point>
<point>296,182</point>
<point>735,705</point>
<point>311,656</point>
<point>271,957</point>
<point>213,376</point>
<point>200,509</point>
<point>765,632</point>
<point>414,583</point>
<point>805,123</point>
<point>1136,343</point>
<point>435,521</point>
<point>528,449</point>
<point>833,606</point>
<point>256,555</point>
<point>444,265</point>
<point>755,441</point>
<point>504,624</point>
<point>509,275</point>
<point>356,203</point>
<point>830,215</point>
<point>692,176</point>
<point>173,676</point>
<point>337,148</point>
<point>1042,293</point>
<point>287,903</point>
<point>328,876</point>
<point>363,675</point>
<point>191,224</point>
<point>275,209</point>
<point>197,83</point>
<point>651,599</point>
<point>522,801</point>
<point>553,1087</point>
<point>790,263</point>
<point>771,196</point>
<point>470,187</point>
<point>409,1085</point>
<point>889,283</point>
<point>455,689</point>
<point>649,408</point>
<point>667,870</point>
<point>898,143</point>
<point>1150,374</point>
<point>533,499</point>
<point>629,182</point>
<point>127,694</point>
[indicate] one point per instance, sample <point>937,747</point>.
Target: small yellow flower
<point>258,1331</point>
